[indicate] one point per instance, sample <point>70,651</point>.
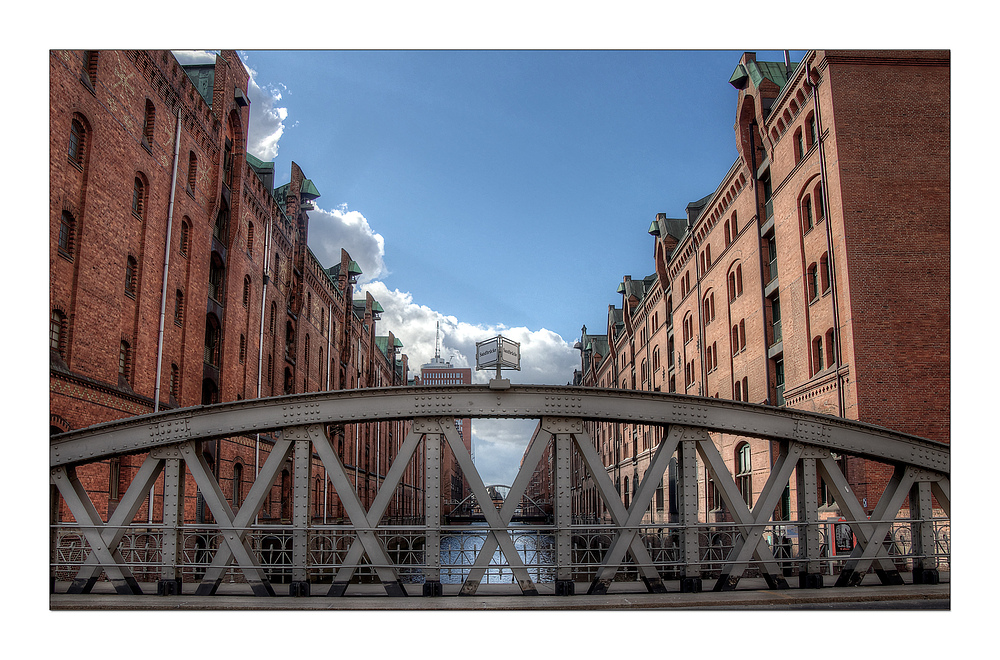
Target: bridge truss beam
<point>651,552</point>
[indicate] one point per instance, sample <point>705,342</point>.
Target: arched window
<point>216,278</point>
<point>185,236</point>
<point>656,359</point>
<point>77,142</point>
<point>131,276</point>
<point>817,355</point>
<point>812,291</point>
<point>138,197</point>
<point>147,124</point>
<point>58,330</point>
<point>810,130</point>
<point>274,312</point>
<point>67,234</point>
<point>800,145</point>
<point>743,334</point>
<point>744,473</point>
<point>824,273</point>
<point>270,369</point>
<point>831,353</point>
<point>237,484</point>
<point>213,340</point>
<point>737,391</point>
<point>818,196</point>
<point>179,307</point>
<point>221,227</point>
<point>246,291</point>
<point>124,362</point>
<point>807,214</point>
<point>250,238</point>
<point>89,73</point>
<point>192,172</point>
<point>735,282</point>
<point>243,348</point>
<point>709,307</point>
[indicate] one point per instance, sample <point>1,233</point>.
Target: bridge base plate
<point>169,587</point>
<point>810,580</point>
<point>432,588</point>
<point>298,589</point>
<point>565,588</point>
<point>691,585</point>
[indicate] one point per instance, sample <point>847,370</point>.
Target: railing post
<point>173,515</point>
<point>432,499</point>
<point>807,486</point>
<point>688,512</point>
<point>564,514</point>
<point>925,566</point>
<point>300,515</point>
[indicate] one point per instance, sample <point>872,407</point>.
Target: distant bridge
<point>553,556</point>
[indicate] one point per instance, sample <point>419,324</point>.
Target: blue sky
<point>510,187</point>
<point>495,191</point>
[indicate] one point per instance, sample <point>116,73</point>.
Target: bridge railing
<point>433,558</point>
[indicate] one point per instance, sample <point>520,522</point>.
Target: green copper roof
<point>308,190</point>
<point>756,72</point>
<point>377,308</point>
<point>258,163</point>
<point>397,343</point>
<point>354,269</point>
<point>382,343</point>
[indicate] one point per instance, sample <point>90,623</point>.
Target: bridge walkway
<point>753,594</point>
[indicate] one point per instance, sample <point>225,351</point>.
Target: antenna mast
<point>437,342</point>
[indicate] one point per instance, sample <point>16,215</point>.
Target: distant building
<point>815,276</point>
<point>436,373</point>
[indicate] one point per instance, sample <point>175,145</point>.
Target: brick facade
<point>816,276</point>
<point>248,310</point>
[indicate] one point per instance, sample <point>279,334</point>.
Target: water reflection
<point>536,549</point>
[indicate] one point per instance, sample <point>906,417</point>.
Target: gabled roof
<point>756,72</point>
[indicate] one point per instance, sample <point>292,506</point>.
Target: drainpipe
<point>260,335</point>
<point>163,292</point>
<point>329,358</point>
<point>814,84</point>
<point>760,264</point>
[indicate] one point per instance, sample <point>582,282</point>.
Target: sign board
<point>498,353</point>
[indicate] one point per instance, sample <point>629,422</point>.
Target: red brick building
<point>180,276</point>
<point>815,276</point>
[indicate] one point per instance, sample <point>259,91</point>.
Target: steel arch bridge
<point>625,549</point>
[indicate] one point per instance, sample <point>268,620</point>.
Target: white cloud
<point>185,57</point>
<point>546,359</point>
<point>266,119</point>
<point>329,231</point>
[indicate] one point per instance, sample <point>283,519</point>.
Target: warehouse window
<point>89,73</point>
<point>179,307</point>
<point>250,238</point>
<point>147,125</point>
<point>192,172</point>
<point>830,348</point>
<point>824,273</point>
<point>806,210</point>
<point>185,236</point>
<point>213,337</point>
<point>131,276</point>
<point>124,362</point>
<point>77,142</point>
<point>817,355</point>
<point>811,288</point>
<point>744,476</point>
<point>67,233</point>
<point>138,197</point>
<point>243,348</point>
<point>246,291</point>
<point>216,278</point>
<point>58,332</point>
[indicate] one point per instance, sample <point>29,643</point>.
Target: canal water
<point>535,548</point>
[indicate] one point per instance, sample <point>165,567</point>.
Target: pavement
<point>751,594</point>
